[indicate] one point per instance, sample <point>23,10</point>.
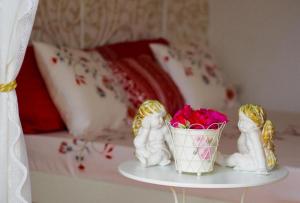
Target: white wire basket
<point>195,150</point>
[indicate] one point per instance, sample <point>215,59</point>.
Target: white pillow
<point>195,74</point>
<point>82,88</point>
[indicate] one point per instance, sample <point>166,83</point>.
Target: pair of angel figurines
<point>256,153</point>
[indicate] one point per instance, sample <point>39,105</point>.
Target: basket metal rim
<point>220,126</point>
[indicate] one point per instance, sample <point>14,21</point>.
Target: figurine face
<point>245,124</point>
<point>155,120</point>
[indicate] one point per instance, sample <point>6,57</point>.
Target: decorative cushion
<point>168,92</point>
<point>195,73</point>
<point>83,89</point>
<point>37,112</point>
<point>140,75</point>
<point>130,49</point>
<point>142,78</point>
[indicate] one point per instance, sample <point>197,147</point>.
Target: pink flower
<point>181,118</point>
<point>217,116</point>
<point>197,119</point>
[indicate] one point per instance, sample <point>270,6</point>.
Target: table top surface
<point>221,177</point>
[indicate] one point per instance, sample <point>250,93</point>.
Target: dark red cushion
<point>129,49</point>
<point>134,83</point>
<point>140,75</point>
<point>167,91</point>
<point>38,114</point>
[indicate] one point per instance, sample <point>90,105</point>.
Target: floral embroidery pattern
<point>196,60</point>
<point>195,65</point>
<point>166,58</point>
<point>54,60</point>
<point>205,79</point>
<point>211,70</point>
<point>87,71</point>
<point>80,79</point>
<point>81,148</point>
<point>188,71</point>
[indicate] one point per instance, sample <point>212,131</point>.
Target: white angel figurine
<point>151,134</point>
<point>256,151</point>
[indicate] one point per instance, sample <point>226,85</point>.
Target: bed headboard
<point>89,23</point>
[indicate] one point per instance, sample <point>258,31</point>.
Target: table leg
<point>244,195</point>
<point>183,195</point>
<point>175,195</point>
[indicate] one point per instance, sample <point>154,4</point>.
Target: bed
<point>69,169</point>
<point>58,156</point>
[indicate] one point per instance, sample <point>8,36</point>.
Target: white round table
<point>221,177</point>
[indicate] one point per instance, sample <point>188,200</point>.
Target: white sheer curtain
<point>16,20</point>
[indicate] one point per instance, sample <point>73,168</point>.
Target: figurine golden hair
<point>258,116</point>
<point>147,107</point>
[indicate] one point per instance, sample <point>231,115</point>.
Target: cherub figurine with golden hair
<point>151,134</point>
<point>256,152</point>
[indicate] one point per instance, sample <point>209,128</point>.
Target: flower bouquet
<point>195,138</point>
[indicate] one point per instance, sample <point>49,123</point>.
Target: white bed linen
<point>102,157</point>
<point>44,154</point>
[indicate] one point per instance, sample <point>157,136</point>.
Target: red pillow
<point>134,83</point>
<point>167,91</point>
<point>140,75</point>
<point>142,79</point>
<point>38,114</point>
<point>129,49</point>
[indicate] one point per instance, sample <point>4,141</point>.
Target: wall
<point>90,23</point>
<point>258,44</point>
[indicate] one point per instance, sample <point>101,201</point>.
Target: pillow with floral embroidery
<point>195,73</point>
<point>82,88</point>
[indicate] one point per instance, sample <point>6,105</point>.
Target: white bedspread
<point>58,153</point>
